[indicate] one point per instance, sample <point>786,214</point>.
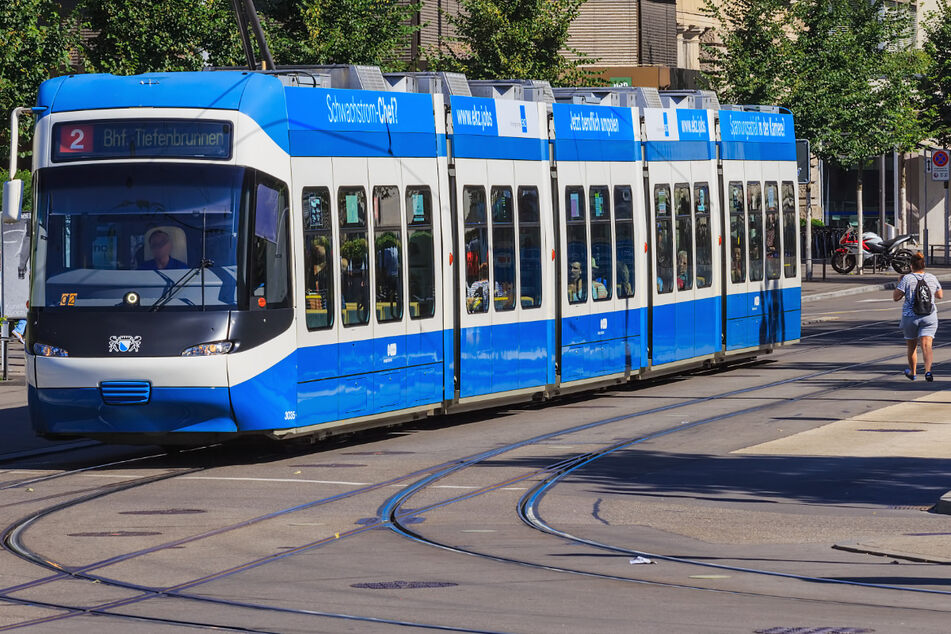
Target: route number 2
<point>76,139</point>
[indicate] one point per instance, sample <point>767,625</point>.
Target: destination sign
<point>141,138</point>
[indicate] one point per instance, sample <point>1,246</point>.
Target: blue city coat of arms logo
<point>124,343</point>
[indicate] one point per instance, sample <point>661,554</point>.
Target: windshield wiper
<point>173,290</point>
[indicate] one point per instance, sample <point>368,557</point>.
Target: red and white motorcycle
<point>893,253</point>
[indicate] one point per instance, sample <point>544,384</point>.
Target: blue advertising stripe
<point>592,123</point>
<point>736,151</point>
<point>692,125</point>
<point>680,150</point>
<point>756,127</point>
<point>441,145</point>
<point>588,150</point>
<point>332,143</point>
<point>488,147</point>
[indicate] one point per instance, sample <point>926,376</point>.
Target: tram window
<point>577,238</point>
<point>270,264</point>
<point>318,256</point>
<point>704,235</point>
<point>737,232</point>
<point>503,247</point>
<point>529,248</point>
<point>772,230</point>
<point>754,197</point>
<point>790,237</point>
<point>684,236</point>
<point>388,253</point>
<point>477,249</point>
<point>624,234</point>
<point>420,258</point>
<point>354,256</point>
<point>602,251</point>
<point>664,239</point>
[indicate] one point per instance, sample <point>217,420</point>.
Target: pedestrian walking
<point>919,315</point>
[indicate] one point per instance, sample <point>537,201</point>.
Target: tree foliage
<point>514,38</point>
<point>852,88</point>
<point>359,31</point>
<point>34,46</point>
<point>844,67</point>
<point>752,60</point>
<point>936,80</point>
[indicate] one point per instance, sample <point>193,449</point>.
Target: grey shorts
<point>919,326</point>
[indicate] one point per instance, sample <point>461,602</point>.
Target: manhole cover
<point>402,585</point>
<point>164,512</point>
<point>115,534</point>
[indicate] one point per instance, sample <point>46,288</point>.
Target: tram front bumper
<point>101,397</point>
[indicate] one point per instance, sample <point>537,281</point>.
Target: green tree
<point>359,31</point>
<point>936,81</point>
<point>514,39</point>
<point>751,61</point>
<point>141,36</point>
<point>34,46</point>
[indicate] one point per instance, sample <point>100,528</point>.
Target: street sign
<point>939,163</point>
<point>803,161</point>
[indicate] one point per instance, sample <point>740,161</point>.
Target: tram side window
<point>684,236</point>
<point>624,234</point>
<point>318,258</point>
<point>477,249</point>
<point>270,264</point>
<point>577,238</point>
<point>664,238</point>
<point>602,250</point>
<point>790,237</point>
<point>354,256</point>
<point>737,232</point>
<point>704,236</point>
<point>754,196</point>
<point>772,231</point>
<point>420,253</point>
<point>530,248</point>
<point>388,251</point>
<point>503,247</point>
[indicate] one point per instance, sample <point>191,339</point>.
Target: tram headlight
<point>208,349</point>
<point>43,350</point>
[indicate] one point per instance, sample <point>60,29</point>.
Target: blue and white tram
<point>230,253</point>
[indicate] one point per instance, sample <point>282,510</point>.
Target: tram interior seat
<point>177,237</point>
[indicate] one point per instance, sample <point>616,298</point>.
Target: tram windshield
<point>156,236</point>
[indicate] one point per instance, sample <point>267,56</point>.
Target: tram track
<point>392,513</point>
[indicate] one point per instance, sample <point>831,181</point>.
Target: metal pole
<point>947,221</point>
<point>809,230</point>
<point>898,227</point>
<point>881,197</point>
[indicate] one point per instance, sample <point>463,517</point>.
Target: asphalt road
<point>786,495</point>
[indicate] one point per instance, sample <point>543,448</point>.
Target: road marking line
<point>357,484</point>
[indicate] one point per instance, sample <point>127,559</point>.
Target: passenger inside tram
<point>576,286</point>
<point>624,286</point>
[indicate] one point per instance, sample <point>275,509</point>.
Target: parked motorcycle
<point>893,253</point>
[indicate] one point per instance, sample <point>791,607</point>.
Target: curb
<point>849,291</point>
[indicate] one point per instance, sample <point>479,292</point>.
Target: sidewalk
<point>836,285</point>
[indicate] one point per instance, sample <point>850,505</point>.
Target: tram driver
<point>161,245</point>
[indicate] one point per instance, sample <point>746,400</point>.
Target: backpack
<point>922,302</point>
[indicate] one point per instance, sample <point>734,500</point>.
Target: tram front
<point>158,259</point>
